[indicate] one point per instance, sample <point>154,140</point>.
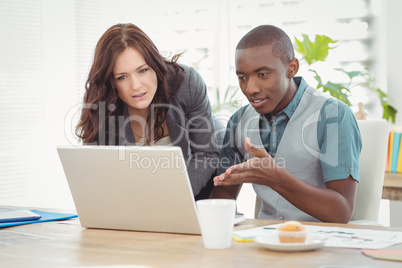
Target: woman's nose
<point>135,82</point>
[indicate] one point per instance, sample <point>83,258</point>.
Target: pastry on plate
<point>292,232</point>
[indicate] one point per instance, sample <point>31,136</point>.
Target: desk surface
<point>67,244</point>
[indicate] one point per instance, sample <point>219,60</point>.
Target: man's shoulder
<point>335,106</point>
<point>330,104</point>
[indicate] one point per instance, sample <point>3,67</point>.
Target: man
<point>298,147</point>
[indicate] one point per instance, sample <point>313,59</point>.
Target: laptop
<point>139,188</point>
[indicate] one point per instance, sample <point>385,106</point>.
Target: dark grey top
<point>191,126</point>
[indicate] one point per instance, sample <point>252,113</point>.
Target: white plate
<point>271,241</point>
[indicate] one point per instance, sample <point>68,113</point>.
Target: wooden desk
<point>392,188</point>
<point>67,244</point>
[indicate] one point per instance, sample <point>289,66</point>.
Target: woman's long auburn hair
<point>101,92</point>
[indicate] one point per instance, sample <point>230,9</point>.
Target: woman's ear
<point>293,67</point>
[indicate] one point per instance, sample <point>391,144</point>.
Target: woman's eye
<point>143,70</point>
<point>121,77</point>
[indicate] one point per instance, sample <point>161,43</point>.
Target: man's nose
<point>252,87</point>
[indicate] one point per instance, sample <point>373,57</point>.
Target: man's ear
<point>293,67</point>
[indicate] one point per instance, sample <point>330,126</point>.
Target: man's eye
<point>241,78</point>
<point>262,74</point>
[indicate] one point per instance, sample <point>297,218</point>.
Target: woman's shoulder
<point>192,80</point>
<point>192,91</point>
<point>190,74</point>
<point>185,67</point>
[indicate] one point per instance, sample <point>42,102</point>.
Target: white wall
<point>393,53</point>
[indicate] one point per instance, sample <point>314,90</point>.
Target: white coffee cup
<point>216,218</point>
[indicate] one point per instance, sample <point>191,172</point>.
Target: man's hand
<point>258,170</point>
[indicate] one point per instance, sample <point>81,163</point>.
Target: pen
<point>269,228</point>
<point>354,237</point>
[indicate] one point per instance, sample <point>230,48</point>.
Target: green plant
<point>318,51</point>
<point>229,102</point>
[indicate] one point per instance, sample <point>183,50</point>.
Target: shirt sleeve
<point>339,140</point>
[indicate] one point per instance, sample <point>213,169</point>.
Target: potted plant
<point>318,50</point>
<point>228,102</point>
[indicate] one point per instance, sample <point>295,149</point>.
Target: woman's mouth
<point>139,96</point>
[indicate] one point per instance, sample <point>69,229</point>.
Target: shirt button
<point>350,169</point>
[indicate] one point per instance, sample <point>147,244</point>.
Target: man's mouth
<point>258,102</point>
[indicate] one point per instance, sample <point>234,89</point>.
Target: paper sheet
<point>384,254</point>
<point>334,236</point>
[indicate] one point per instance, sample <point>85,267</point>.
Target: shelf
<point>392,188</point>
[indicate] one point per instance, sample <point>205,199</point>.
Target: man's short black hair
<point>264,35</point>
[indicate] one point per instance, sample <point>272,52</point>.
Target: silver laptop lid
<point>131,188</point>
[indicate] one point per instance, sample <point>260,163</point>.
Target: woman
<point>136,97</point>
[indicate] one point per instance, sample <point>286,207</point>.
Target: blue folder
<point>46,216</point>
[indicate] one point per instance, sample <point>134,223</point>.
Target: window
<point>22,98</point>
<point>47,47</point>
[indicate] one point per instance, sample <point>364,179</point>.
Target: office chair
<point>374,134</point>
